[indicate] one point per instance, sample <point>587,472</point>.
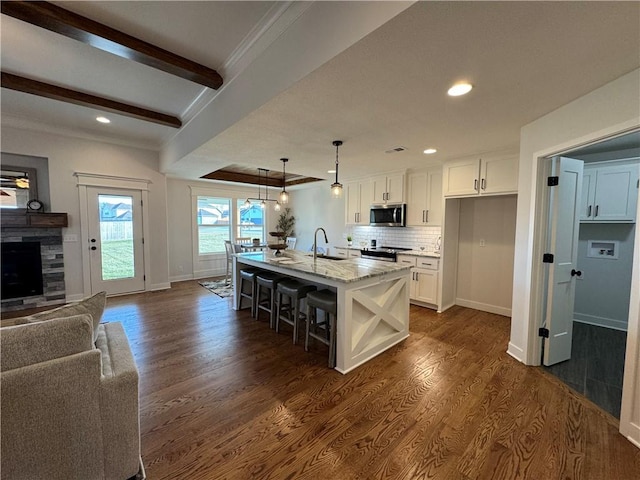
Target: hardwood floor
<point>224,397</point>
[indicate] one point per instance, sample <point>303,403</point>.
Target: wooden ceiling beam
<point>34,87</point>
<point>72,25</point>
<point>238,177</point>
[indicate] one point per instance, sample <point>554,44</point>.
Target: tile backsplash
<point>409,237</point>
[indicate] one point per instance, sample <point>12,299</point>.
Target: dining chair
<point>230,250</point>
<point>243,240</point>
<point>291,243</point>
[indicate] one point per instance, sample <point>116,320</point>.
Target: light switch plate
<point>70,237</point>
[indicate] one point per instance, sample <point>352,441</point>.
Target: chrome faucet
<point>315,241</point>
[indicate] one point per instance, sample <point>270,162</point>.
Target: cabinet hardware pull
<point>427,220</point>
<point>475,184</point>
<point>483,184</point>
<point>597,208</point>
<point>589,211</point>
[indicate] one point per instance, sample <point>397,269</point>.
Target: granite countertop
<point>420,253</point>
<point>343,270</point>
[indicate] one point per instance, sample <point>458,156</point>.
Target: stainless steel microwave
<point>388,215</point>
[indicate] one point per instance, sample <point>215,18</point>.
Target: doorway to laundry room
<point>591,286</point>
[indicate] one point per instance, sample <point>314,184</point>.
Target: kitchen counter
<point>344,270</point>
<point>420,253</point>
<point>373,298</point>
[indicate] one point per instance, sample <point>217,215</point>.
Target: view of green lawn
<point>117,259</point>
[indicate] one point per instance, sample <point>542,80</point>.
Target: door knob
<point>576,273</point>
<point>94,248</point>
<point>93,240</point>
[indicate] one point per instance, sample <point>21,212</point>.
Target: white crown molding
<point>20,123</point>
<point>277,19</point>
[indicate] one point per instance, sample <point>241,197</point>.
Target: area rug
<point>219,287</point>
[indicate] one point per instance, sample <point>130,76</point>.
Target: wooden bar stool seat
<point>267,283</point>
<point>290,312</point>
<point>327,301</point>
<point>248,275</point>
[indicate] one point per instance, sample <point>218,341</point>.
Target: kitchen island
<point>373,298</point>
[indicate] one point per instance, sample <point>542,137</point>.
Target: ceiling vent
<point>396,149</point>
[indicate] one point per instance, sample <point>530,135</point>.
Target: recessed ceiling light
<point>331,171</point>
<point>460,89</point>
<point>429,151</point>
<point>103,120</point>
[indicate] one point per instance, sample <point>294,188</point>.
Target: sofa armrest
<point>118,403</point>
<point>33,343</point>
<point>49,412</point>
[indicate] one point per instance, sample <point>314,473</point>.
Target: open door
<point>564,225</point>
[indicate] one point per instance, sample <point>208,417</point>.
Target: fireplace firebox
<point>21,270</point>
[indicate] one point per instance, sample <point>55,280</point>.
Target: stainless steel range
<point>385,254</point>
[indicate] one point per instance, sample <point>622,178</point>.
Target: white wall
<point>613,108</point>
<point>485,273</point>
<point>314,207</point>
<point>604,289</point>
<point>182,263</point>
<point>67,155</point>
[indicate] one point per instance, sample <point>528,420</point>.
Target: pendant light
<point>336,187</point>
<point>263,204</point>
<point>263,201</point>
<point>284,196</point>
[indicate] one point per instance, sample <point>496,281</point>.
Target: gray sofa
<point>69,406</point>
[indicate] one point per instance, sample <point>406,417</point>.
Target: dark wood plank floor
<point>224,397</point>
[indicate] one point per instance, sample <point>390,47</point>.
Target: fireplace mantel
<point>33,220</point>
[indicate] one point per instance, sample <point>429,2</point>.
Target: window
<point>250,222</point>
<point>213,224</point>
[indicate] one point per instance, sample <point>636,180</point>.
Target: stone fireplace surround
<point>50,238</point>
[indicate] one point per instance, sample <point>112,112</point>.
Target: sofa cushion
<point>38,342</point>
<point>93,306</point>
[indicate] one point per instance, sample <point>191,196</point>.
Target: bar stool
<point>267,281</point>
<point>296,291</point>
<point>248,275</point>
<point>326,301</point>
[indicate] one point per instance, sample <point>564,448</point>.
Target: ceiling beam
<point>72,25</point>
<point>34,87</point>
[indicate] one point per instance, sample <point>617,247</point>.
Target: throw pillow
<point>93,306</point>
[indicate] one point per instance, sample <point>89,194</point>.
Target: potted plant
<point>349,240</point>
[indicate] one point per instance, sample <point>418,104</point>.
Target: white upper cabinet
<point>424,204</point>
<point>358,200</point>
<point>388,188</point>
<point>609,193</point>
<point>471,177</point>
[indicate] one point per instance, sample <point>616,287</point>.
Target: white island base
<point>373,300</point>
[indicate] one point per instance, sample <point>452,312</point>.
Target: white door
<point>115,240</point>
<point>564,225</point>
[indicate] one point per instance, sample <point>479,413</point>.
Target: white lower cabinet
<point>347,252</point>
<point>424,279</point>
<point>424,285</point>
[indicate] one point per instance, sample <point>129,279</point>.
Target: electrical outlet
<point>482,244</point>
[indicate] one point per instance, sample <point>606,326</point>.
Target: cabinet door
<point>616,194</point>
<point>366,199</point>
<point>395,188</point>
<point>426,285</point>
<point>419,187</point>
<point>588,194</point>
<point>499,176</point>
<point>352,202</point>
<point>460,178</point>
<point>379,189</point>
<point>434,198</point>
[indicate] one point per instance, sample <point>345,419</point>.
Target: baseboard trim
<point>181,278</point>
<point>74,298</point>
<point>485,307</point>
<point>600,321</point>
<point>207,273</point>
<point>159,286</point>
<point>516,352</point>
